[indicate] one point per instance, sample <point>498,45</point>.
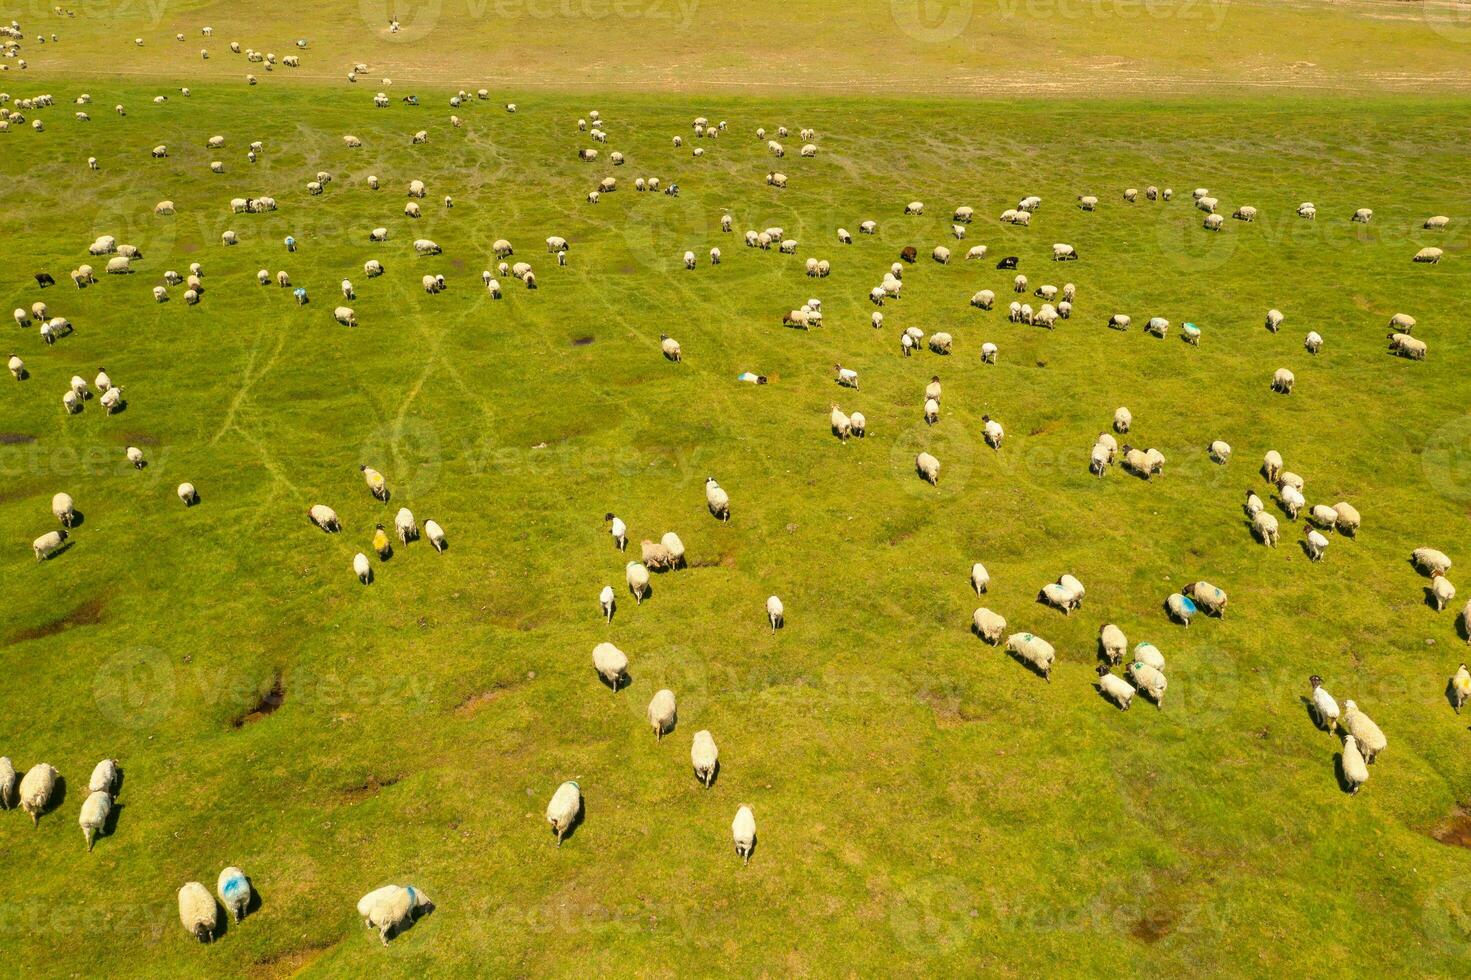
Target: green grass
<point>924,803</point>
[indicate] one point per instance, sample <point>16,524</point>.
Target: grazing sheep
<point>1361,727</point>
<point>1429,561</point>
<point>1063,253</point>
<point>717,500</point>
<point>435,534</point>
<point>1119,321</point>
<point>372,268</point>
<point>1283,381</point>
<point>662,713</point>
<point>988,625</point>
<point>7,783</point>
<point>197,911</point>
<point>17,367</point>
<point>1213,222</point>
<point>914,207</point>
<point>1274,320</point>
<point>743,832</point>
<point>656,557</point>
<point>1245,213</point>
<point>95,810</point>
<point>1403,344</point>
<point>1313,342</point>
<point>1115,688</point>
<point>324,517</point>
<point>1355,772</point>
<point>1033,651</point>
<point>1087,202</point>
<point>1362,215</point>
<point>36,789</point>
<point>1157,326</point>
<point>1441,590</point>
<point>775,613</point>
<point>1323,516</point>
<point>705,757</point>
<point>1292,500</point>
<point>940,342</point>
<point>188,494</point>
<point>48,544</point>
<point>868,228</point>
<point>1460,689</point>
<point>1402,322</point>
<point>391,908</point>
<point>611,664</point>
<point>1180,608</point>
<point>992,432</point>
<point>1207,597</point>
<point>1348,518</point>
<point>1150,681</point>
<point>1220,452</point>
<point>1112,644</point>
<point>1307,210</point>
<point>928,468</point>
<point>1122,420</point>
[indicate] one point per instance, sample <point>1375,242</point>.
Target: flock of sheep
<point>392,907</point>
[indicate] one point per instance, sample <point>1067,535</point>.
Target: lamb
<point>987,625</point>
<point>662,713</point>
<point>607,603</point>
<point>435,534</point>
<point>846,377</point>
<point>325,518</point>
<point>717,500</point>
<point>656,557</point>
<point>705,757</point>
<point>1033,651</point>
<point>1355,772</point>
<point>197,911</point>
<point>1207,597</point>
<point>1112,644</point>
<point>611,664</point>
<point>1150,681</point>
<point>1115,688</point>
<point>928,468</point>
<point>35,790</point>
<point>1283,381</point>
<point>93,818</point>
<point>743,832</point>
<point>48,544</point>
<point>1359,725</point>
<point>392,908</point>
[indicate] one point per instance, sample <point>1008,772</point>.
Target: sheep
<point>1402,322</point>
<point>1307,210</point>
<point>1355,772</point>
<point>743,832</point>
<point>1245,213</point>
<point>1283,381</point>
<point>1207,204</point>
<point>7,783</point>
<point>1150,681</point>
<point>36,788</point>
<point>188,494</point>
<point>914,207</point>
<point>940,342</point>
<point>1112,644</point>
<point>992,432</point>
<point>842,426</point>
<point>868,228</point>
<point>435,534</point>
<point>1313,342</point>
<point>93,818</point>
<point>1361,727</point>
<point>1098,459</point>
<point>1428,561</point>
<point>1062,252</point>
<point>1059,596</point>
<point>1322,705</point>
<point>1213,222</point>
<point>1119,321</point>
<point>988,625</point>
<point>776,179</point>
<point>423,246</point>
<point>656,557</point>
<point>1033,651</point>
<point>662,713</point>
<point>1460,689</point>
<point>859,424</point>
<point>1122,420</point>
<point>372,268</point>
<point>1323,516</point>
<point>717,500</point>
<point>1292,500</point>
<point>1362,215</point>
<point>119,265</point>
<point>197,911</point>
<point>1206,596</point>
<point>637,576</point>
<point>1441,591</point>
<point>1087,202</point>
<point>1274,320</point>
<point>928,468</point>
<point>1131,194</point>
<point>17,367</point>
<point>412,210</point>
<point>391,908</point>
<point>1407,346</point>
<point>345,315</point>
<point>1157,326</point>
<point>324,517</point>
<point>1348,518</point>
<point>1046,316</point>
<point>611,664</point>
<point>704,756</point>
<point>775,613</point>
<point>48,544</point>
<point>1179,608</point>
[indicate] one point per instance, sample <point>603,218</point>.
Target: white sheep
<point>1359,725</point>
<point>1283,381</point>
<point>611,664</point>
<point>705,757</point>
<point>717,500</point>
<point>93,818</point>
<point>391,908</point>
<point>1114,687</point>
<point>36,788</point>
<point>197,911</point>
<point>435,534</point>
<point>928,468</point>
<point>662,713</point>
<point>1274,320</point>
<point>743,832</point>
<point>1150,681</point>
<point>1429,561</point>
<point>989,626</point>
<point>1033,651</point>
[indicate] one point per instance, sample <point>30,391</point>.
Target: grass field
<point>924,803</point>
